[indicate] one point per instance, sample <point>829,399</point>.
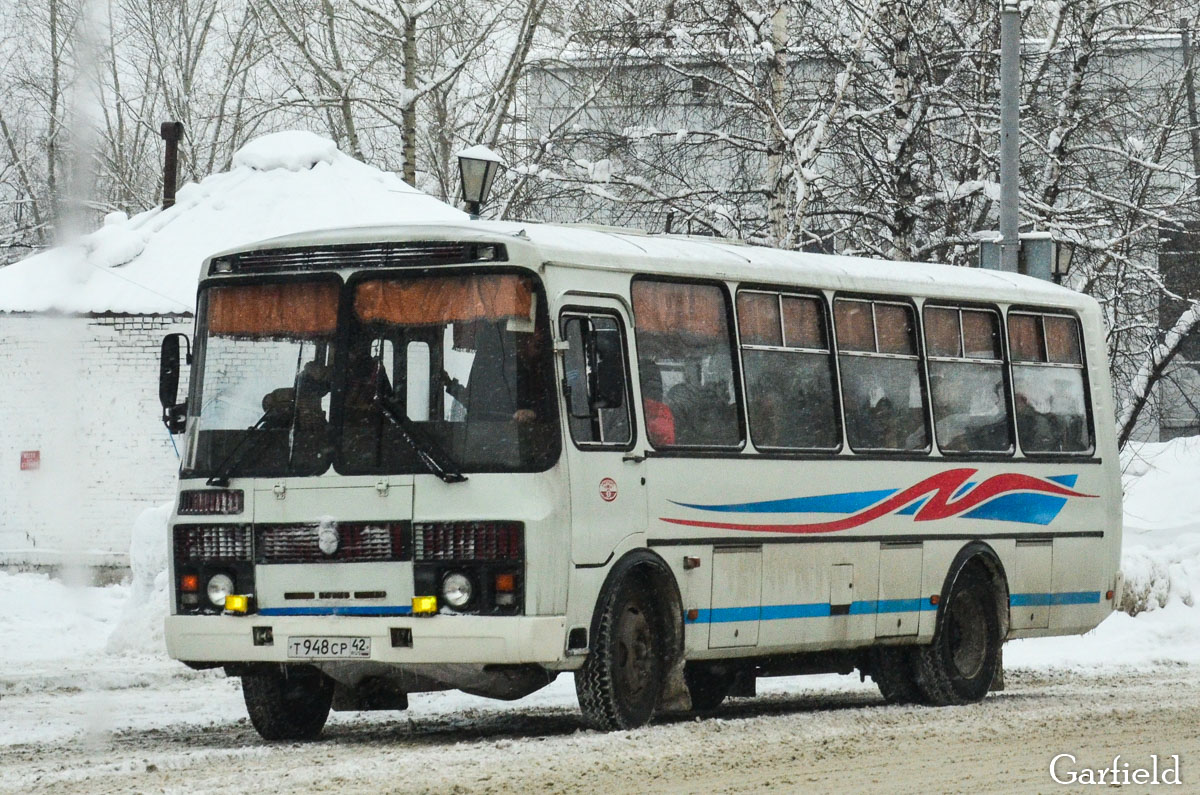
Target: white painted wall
<point>84,392</point>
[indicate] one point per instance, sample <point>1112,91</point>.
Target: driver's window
<point>600,426</point>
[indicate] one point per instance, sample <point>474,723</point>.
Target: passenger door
<point>608,493</point>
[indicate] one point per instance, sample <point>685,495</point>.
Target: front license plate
<point>329,648</point>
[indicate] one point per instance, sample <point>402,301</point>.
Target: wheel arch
<point>645,563</point>
<point>981,554</point>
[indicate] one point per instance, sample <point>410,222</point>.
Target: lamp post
<point>477,167</point>
<point>1010,155</point>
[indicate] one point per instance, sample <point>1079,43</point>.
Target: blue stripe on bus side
<point>341,610</point>
<point>725,615</point>
<point>1046,599</point>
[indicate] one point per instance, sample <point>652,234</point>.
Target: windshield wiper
<point>427,451</point>
<point>239,452</point>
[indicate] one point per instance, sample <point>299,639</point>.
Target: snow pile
<point>1161,497</point>
<point>1156,577</point>
<point>140,629</point>
<point>1158,622</point>
<point>281,184</point>
<point>45,619</point>
<point>1161,558</point>
<point>293,150</point>
<point>115,243</point>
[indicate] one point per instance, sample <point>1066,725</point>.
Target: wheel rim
<point>635,651</point>
<point>968,635</point>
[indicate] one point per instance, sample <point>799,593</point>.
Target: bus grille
<point>363,255</point>
<point>468,541</point>
<point>195,543</point>
<point>357,542</point>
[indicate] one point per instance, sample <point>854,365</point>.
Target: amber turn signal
<point>506,583</point>
<point>189,583</point>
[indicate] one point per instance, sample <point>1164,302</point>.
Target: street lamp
<point>477,167</point>
<point>1064,252</point>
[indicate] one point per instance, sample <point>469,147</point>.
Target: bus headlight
<point>219,586</point>
<point>457,590</point>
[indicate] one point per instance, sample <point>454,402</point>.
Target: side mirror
<point>606,366</point>
<point>174,413</point>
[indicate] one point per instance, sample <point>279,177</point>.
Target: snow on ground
<point>1161,562</point>
<point>104,645</point>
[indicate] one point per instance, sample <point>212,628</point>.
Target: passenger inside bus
<point>660,421</point>
<point>493,392</point>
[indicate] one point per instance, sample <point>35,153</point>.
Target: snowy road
<point>90,703</point>
<point>187,733</point>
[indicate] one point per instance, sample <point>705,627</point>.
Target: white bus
<point>477,456</point>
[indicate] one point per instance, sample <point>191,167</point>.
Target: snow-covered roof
<point>611,248</point>
<point>280,184</point>
<point>682,255</point>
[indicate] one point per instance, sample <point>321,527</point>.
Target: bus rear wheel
<point>893,669</point>
<point>960,664</point>
<point>620,682</point>
<point>288,703</point>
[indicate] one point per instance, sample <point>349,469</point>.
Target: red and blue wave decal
<point>1007,497</point>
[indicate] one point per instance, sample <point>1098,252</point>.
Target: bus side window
<point>966,377</point>
<point>685,350</point>
<point>1048,383</point>
<point>604,426</point>
<point>790,395</point>
<point>882,394</point>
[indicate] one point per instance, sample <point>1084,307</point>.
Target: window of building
<point>966,379</point>
<point>1049,386</point>
<point>882,394</point>
<point>788,366</point>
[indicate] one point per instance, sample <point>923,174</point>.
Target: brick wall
<point>83,392</point>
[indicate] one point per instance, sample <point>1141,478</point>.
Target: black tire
<point>288,703</point>
<point>622,679</point>
<point>708,685</point>
<point>960,664</point>
<point>894,671</point>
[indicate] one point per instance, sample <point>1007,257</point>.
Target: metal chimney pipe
<point>171,132</point>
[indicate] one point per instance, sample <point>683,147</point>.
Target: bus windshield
<point>457,367</point>
<point>442,374</point>
<point>266,357</point>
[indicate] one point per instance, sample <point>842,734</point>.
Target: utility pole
<point>1185,40</point>
<point>1010,140</point>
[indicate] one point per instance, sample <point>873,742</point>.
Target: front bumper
<point>435,639</point>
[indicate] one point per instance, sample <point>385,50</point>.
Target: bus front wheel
<point>960,664</point>
<point>288,703</point>
<point>620,682</point>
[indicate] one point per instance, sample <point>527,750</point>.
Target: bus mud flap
<point>675,694</point>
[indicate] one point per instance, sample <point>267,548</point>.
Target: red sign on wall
<point>31,459</point>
